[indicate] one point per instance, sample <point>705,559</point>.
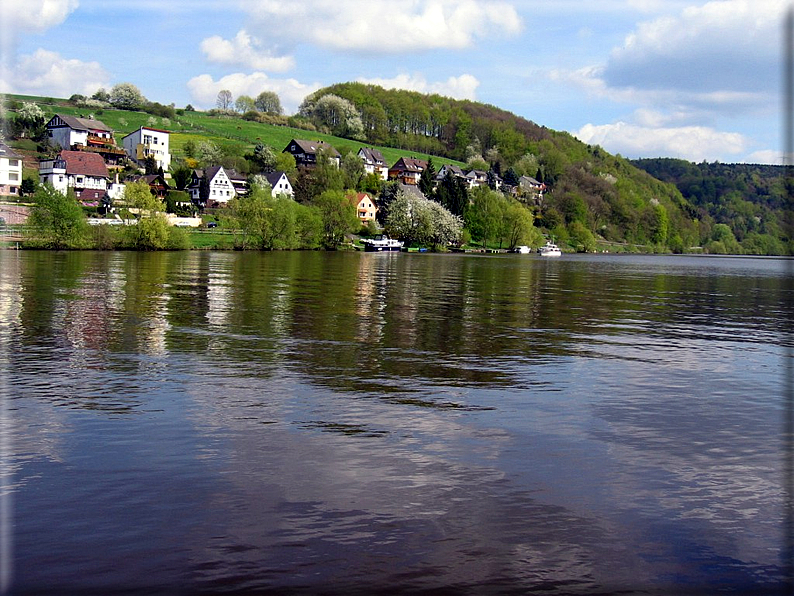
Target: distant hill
<point>751,199</point>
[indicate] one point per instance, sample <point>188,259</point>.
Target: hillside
<point>751,199</point>
<point>591,197</point>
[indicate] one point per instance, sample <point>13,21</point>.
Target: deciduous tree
<point>268,102</point>
<point>56,220</point>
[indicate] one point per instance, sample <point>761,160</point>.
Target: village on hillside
<point>91,164</point>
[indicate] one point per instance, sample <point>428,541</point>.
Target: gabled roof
<point>456,171</point>
<point>410,164</point>
<point>86,124</point>
<point>357,197</point>
<point>311,147</point>
<point>7,152</point>
<point>84,163</point>
<point>274,177</point>
<point>151,179</point>
<point>372,156</point>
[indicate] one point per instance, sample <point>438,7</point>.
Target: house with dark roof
<point>280,184</point>
<point>68,131</point>
<point>156,183</point>
<point>407,170</point>
<point>453,170</point>
<point>215,186</point>
<point>305,152</point>
<point>85,172</point>
<point>374,162</point>
<point>84,134</point>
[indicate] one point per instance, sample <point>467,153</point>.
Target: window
<point>14,163</point>
<point>13,176</point>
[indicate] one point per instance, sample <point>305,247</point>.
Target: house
<point>85,172</point>
<point>374,163</point>
<point>10,171</point>
<point>146,142</point>
<point>527,184</point>
<point>85,134</point>
<point>451,169</point>
<point>280,184</point>
<point>365,206</point>
<point>211,187</point>
<point>156,182</point>
<point>68,132</point>
<point>477,178</point>
<point>407,170</point>
<point>239,182</point>
<point>305,152</point>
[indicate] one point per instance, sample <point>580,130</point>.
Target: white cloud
<point>768,156</point>
<point>34,15</point>
<point>723,45</point>
<point>462,87</point>
<point>694,143</point>
<point>381,26</point>
<point>47,73</point>
<point>204,89</point>
<point>246,51</point>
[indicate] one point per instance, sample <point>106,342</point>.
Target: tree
<point>224,99</point>
<point>338,216</point>
<point>126,96</point>
<point>485,217</point>
<point>244,103</point>
<point>208,154</point>
<point>264,158</point>
<point>418,220</point>
<point>29,120</point>
<point>352,171</point>
<point>268,102</point>
<point>518,226</point>
<point>56,220</point>
<point>335,113</point>
<point>427,179</point>
<point>151,230</point>
<point>453,193</point>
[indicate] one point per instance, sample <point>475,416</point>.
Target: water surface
<point>205,422</point>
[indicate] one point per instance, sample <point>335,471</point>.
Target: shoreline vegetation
<point>577,195</point>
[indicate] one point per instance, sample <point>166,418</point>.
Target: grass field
<point>235,135</point>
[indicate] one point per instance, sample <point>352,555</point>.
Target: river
<point>343,423</point>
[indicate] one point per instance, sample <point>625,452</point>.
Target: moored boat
<point>382,244</point>
<point>550,250</point>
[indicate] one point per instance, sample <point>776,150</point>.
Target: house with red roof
<point>365,206</point>
<point>85,172</point>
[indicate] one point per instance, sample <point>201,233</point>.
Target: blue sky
<point>643,78</point>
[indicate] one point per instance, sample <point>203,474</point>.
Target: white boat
<point>522,250</point>
<point>382,244</point>
<point>550,250</point>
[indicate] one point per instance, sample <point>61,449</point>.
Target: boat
<point>550,250</point>
<point>382,244</point>
<point>522,250</point>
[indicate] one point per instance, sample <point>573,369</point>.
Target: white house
<point>374,163</point>
<point>85,172</point>
<point>280,184</point>
<point>67,132</point>
<point>145,142</point>
<point>211,187</point>
<point>10,171</point>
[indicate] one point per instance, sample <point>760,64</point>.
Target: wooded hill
<point>752,200</point>
<point>591,194</point>
<point>592,197</point>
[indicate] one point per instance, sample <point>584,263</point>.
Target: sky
<point>642,78</point>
